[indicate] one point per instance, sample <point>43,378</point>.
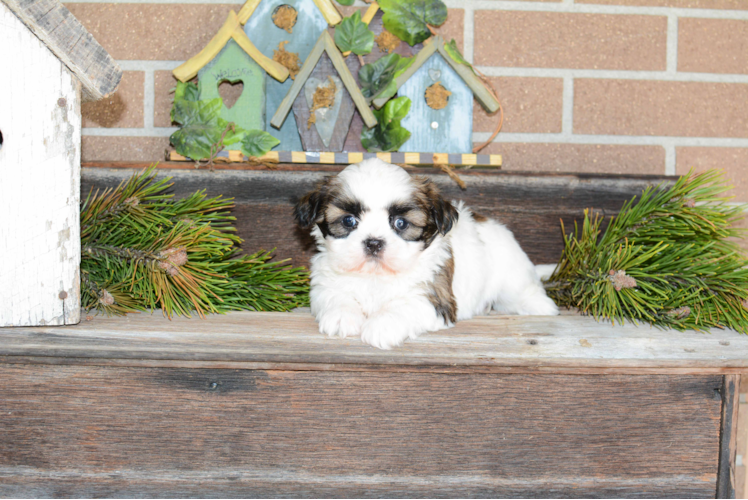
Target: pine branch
<point>665,260</point>
<point>143,250</point>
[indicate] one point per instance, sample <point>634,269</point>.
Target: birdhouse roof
<point>481,93</point>
<point>231,30</point>
<point>64,35</point>
<point>326,7</point>
<point>324,44</point>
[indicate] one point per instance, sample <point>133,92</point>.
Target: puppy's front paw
<point>341,322</point>
<point>383,331</point>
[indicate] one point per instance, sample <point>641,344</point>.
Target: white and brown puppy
<point>396,260</point>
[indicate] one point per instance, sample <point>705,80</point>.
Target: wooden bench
<point>261,405</point>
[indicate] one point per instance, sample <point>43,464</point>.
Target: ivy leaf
<point>184,92</point>
<point>201,127</point>
<point>353,34</point>
<point>258,142</point>
<point>409,20</point>
<point>347,3</point>
<point>391,88</point>
<point>396,109</point>
<point>196,139</point>
<point>387,134</point>
<point>374,77</point>
<point>454,53</point>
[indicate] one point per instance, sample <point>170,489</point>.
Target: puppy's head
<point>375,218</point>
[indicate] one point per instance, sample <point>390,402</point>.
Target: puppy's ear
<point>445,215</point>
<point>308,210</point>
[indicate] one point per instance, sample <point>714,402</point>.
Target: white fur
<point>384,300</point>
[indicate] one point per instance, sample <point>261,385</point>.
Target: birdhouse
<point>231,57</point>
<point>50,63</point>
<point>441,91</point>
<point>324,98</point>
<point>289,28</point>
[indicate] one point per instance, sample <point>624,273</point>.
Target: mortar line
<point>564,6</point>
<point>149,99</point>
<point>567,113</point>
<point>468,34</point>
<point>614,140</point>
<point>670,158</point>
<point>672,44</point>
<point>613,74</point>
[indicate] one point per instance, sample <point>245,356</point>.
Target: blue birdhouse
<point>309,18</point>
<point>441,90</point>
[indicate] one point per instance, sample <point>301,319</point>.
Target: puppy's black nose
<point>373,246</point>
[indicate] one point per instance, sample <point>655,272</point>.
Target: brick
<point>640,107</point>
<point>582,158</point>
<point>97,148</point>
<point>163,84</point>
<point>696,4</point>
<point>122,109</point>
<point>732,160</point>
<point>152,31</point>
<point>530,105</point>
<point>570,40</point>
<point>713,45</point>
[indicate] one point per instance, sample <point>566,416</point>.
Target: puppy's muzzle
<point>373,246</point>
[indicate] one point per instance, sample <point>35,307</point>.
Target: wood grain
<point>529,204</point>
<point>575,344</point>
<point>66,37</point>
<point>40,121</point>
<point>726,483</point>
<point>169,432</point>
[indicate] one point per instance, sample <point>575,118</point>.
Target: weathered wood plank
<point>40,153</point>
<point>529,204</point>
<point>167,432</point>
<point>726,479</point>
<point>484,343</point>
<point>66,37</point>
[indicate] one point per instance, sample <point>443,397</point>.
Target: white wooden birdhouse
<point>291,26</point>
<point>49,64</point>
<point>441,91</point>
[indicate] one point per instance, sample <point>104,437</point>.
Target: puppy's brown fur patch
<point>441,215</point>
<point>440,291</point>
<point>478,217</point>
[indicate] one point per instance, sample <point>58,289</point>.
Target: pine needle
<point>141,250</point>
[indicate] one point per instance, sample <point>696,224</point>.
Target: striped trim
<point>330,158</point>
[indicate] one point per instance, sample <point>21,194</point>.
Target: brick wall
<point>619,86</point>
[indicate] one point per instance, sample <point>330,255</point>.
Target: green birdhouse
<point>231,57</point>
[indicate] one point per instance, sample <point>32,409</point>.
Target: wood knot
<point>532,342</point>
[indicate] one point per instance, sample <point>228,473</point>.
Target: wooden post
<point>40,122</point>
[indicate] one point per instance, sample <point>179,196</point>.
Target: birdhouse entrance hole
<point>437,97</point>
<point>230,92</point>
<point>284,17</point>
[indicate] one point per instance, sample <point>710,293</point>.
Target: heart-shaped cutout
<point>326,117</point>
<point>230,92</point>
<point>435,74</point>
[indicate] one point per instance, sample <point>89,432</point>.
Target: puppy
<point>396,260</point>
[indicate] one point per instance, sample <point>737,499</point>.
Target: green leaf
<point>454,53</point>
<point>396,109</point>
<point>258,142</point>
<point>374,77</point>
<point>347,3</point>
<point>354,35</point>
<point>195,139</point>
<point>187,112</point>
<point>409,20</point>
<point>388,134</point>
<point>391,88</point>
<point>184,92</point>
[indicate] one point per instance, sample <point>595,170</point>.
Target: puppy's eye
<point>401,224</point>
<point>349,221</point>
